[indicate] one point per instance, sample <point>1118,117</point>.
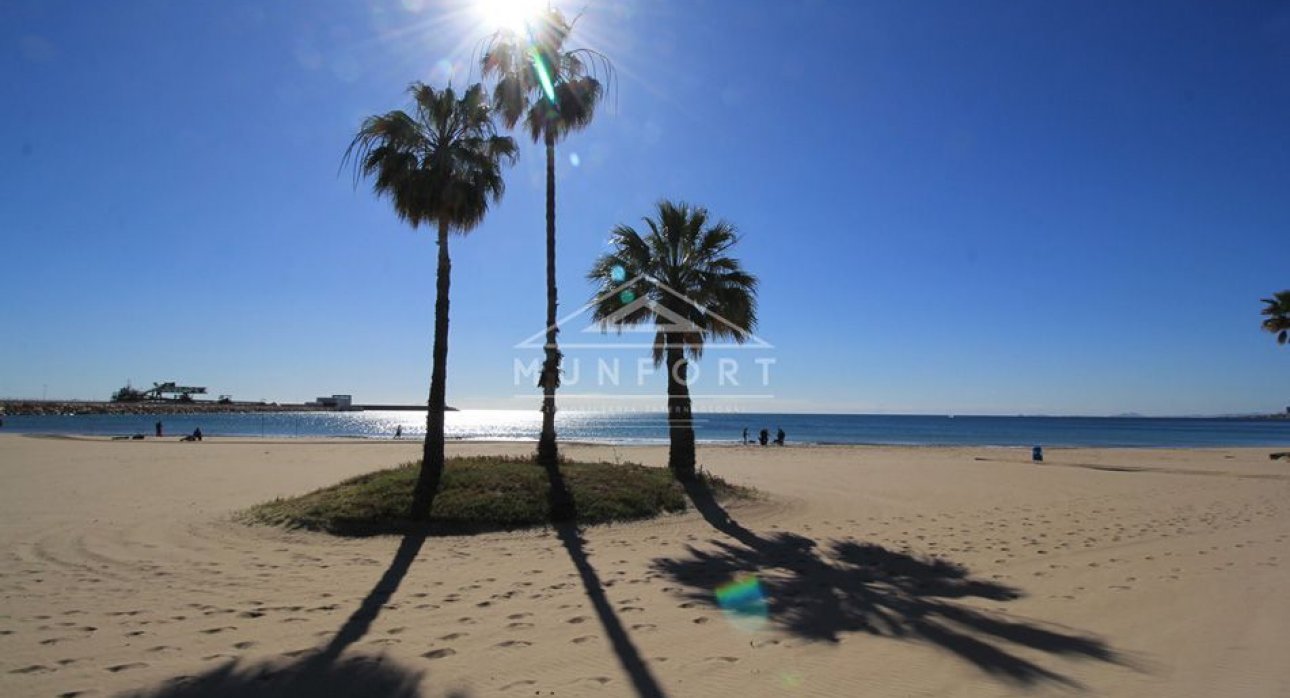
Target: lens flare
<point>443,71</point>
<point>544,76</point>
<point>618,274</point>
<point>790,679</point>
<point>743,603</point>
<point>627,296</point>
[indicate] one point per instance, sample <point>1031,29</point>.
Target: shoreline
<point>608,444</point>
<point>592,443</point>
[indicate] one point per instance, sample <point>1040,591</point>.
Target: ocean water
<point>645,428</point>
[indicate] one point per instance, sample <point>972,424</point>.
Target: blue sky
<point>987,207</point>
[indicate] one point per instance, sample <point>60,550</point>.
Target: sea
<point>626,428</point>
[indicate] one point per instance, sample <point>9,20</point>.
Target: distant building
<point>336,402</point>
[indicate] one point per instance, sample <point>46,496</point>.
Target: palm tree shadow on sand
<point>820,592</point>
<point>564,511</point>
<point>322,673</point>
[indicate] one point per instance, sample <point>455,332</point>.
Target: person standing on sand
<point>398,431</point>
<point>745,436</point>
<point>763,437</point>
<point>779,437</point>
<point>158,428</point>
<point>197,433</point>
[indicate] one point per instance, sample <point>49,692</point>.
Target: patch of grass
<point>484,494</point>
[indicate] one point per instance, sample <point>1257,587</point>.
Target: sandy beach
<point>885,571</point>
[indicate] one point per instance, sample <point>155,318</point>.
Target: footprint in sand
<point>32,669</point>
<point>519,684</point>
<point>722,660</point>
<point>519,625</point>
<point>701,620</point>
<point>453,636</point>
<point>598,680</point>
<point>244,645</point>
<point>644,626</point>
<point>581,639</point>
<point>439,653</point>
<point>126,667</point>
<point>514,643</point>
<point>577,619</point>
<point>222,628</point>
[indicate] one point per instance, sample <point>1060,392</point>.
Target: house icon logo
<point>638,301</point>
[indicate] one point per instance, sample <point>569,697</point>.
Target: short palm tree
<point>1278,316</point>
<point>553,90</point>
<point>440,166</point>
<point>680,276</point>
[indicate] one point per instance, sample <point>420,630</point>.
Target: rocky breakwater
<point>46,407</point>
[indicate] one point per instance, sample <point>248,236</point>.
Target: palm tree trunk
<point>680,457</point>
<point>432,453</point>
<point>548,456</point>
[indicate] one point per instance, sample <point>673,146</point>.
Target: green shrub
<point>483,494</point>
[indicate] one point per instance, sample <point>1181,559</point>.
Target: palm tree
<point>554,91</point>
<point>680,276</point>
<point>1278,313</point>
<point>441,166</point>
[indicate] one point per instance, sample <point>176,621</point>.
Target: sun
<point>512,15</point>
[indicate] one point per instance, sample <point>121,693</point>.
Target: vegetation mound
<point>484,494</point>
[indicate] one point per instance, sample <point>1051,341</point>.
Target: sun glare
<point>512,15</point>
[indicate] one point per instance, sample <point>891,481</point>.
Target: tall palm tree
<point>440,166</point>
<point>555,92</point>
<point>680,276</point>
<point>1278,314</point>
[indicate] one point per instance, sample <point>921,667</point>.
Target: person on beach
<point>158,428</point>
<point>779,438</point>
<point>763,437</point>
<point>745,436</point>
<point>398,431</point>
<point>197,433</point>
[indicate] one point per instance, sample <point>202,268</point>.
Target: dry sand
<point>1111,572</point>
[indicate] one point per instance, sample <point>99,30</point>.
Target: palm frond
<point>554,90</point>
<point>700,282</point>
<point>441,164</point>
